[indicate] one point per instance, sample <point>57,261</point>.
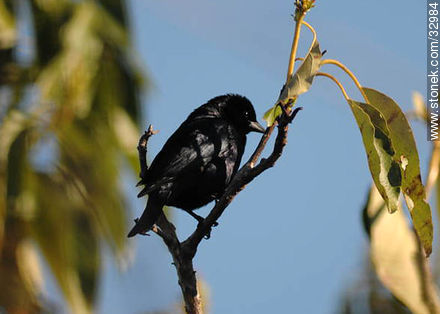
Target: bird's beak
<point>255,126</point>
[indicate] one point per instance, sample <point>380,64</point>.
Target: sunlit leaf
<point>88,86</point>
<point>20,288</point>
<point>53,7</point>
<point>271,115</point>
<point>56,231</point>
<point>70,79</point>
<point>299,83</point>
<point>404,145</point>
<point>302,79</point>
<point>398,258</point>
<point>8,33</point>
<point>384,169</point>
<point>22,291</point>
<point>419,106</point>
<point>29,267</point>
<point>127,135</point>
<point>96,174</point>
<point>12,125</point>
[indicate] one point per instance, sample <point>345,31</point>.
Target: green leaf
<point>384,169</point>
<point>13,124</point>
<point>302,79</point>
<point>58,233</point>
<point>126,134</point>
<point>400,264</point>
<point>271,115</point>
<point>96,174</point>
<point>71,77</point>
<point>405,148</point>
<point>298,83</point>
<point>88,86</point>
<point>8,33</point>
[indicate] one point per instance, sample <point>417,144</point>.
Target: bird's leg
<point>200,219</point>
<point>142,150</point>
<point>216,199</point>
<point>195,216</point>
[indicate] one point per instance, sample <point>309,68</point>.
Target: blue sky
<point>292,241</point>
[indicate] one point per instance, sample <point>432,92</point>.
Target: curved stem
<point>314,35</point>
<point>294,47</point>
<point>346,70</point>
<point>334,79</point>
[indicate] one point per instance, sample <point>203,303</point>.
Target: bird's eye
<point>246,114</point>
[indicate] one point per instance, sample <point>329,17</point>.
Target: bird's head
<point>240,112</point>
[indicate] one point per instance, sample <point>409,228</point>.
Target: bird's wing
<point>189,149</point>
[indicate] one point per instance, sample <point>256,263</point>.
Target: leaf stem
<point>346,70</point>
<point>314,35</point>
<point>294,46</point>
<point>334,79</point>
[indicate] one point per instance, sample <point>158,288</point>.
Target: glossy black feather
<point>199,160</point>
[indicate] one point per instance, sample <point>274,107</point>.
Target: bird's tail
<point>149,216</point>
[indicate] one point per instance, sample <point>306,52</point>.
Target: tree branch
<point>142,150</point>
<point>184,252</point>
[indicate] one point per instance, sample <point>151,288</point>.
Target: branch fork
<point>183,252</point>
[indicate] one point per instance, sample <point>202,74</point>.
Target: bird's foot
<point>215,224</point>
<point>200,219</point>
<point>208,235</point>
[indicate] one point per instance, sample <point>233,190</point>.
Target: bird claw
<point>208,235</point>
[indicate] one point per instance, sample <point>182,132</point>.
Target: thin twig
<point>184,252</point>
<point>334,79</point>
<point>294,48</point>
<point>347,70</point>
<point>314,35</point>
<point>245,175</point>
<point>142,150</point>
<point>263,141</point>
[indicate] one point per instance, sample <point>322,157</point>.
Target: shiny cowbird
<point>199,160</point>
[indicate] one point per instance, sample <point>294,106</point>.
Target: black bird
<point>199,160</point>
